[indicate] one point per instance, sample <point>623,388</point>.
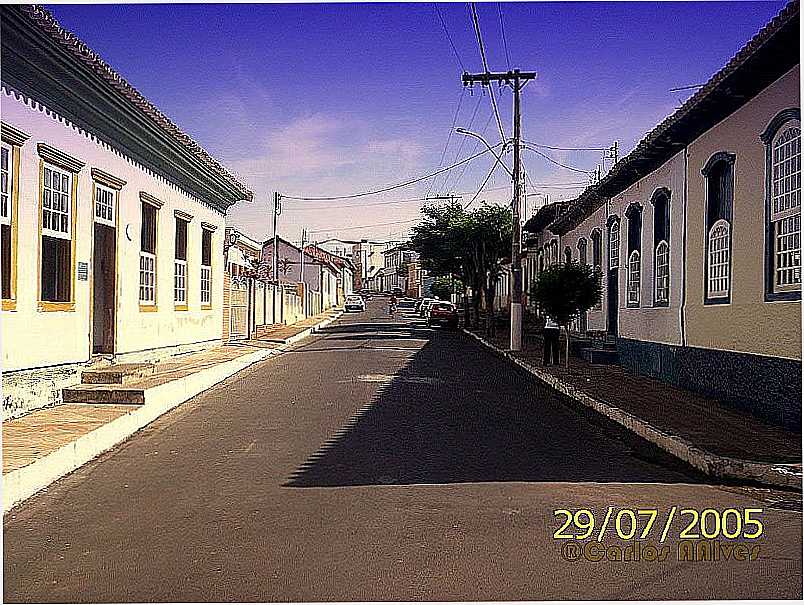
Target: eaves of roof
<point>43,60</point>
<point>766,57</point>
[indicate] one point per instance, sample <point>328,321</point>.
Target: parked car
<point>354,302</point>
<point>425,306</point>
<point>406,304</point>
<point>442,313</point>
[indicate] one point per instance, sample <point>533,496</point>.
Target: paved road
<point>379,460</point>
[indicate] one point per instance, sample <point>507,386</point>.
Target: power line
<point>463,139</point>
<point>474,149</point>
<point>338,229</point>
<point>479,36</point>
<point>483,184</point>
<point>543,146</point>
<point>556,162</point>
<point>388,203</point>
<point>391,187</point>
<point>502,32</point>
<point>449,138</point>
<point>446,31</point>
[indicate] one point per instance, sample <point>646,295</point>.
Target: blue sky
<point>329,99</point>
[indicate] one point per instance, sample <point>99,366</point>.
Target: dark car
<point>442,313</point>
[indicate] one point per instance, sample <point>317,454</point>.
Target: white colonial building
<point>113,219</point>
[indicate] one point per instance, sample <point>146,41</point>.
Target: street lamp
<point>516,244</point>
<point>469,133</point>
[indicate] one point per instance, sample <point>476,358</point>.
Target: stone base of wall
<point>766,387</point>
<point>28,390</point>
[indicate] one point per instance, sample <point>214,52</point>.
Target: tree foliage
<point>444,286</point>
<point>471,246</point>
<point>565,290</point>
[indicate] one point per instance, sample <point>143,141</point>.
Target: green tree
<point>444,286</point>
<point>564,291</point>
<point>440,240</point>
<point>489,236</point>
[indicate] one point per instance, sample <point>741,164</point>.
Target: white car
<point>354,303</point>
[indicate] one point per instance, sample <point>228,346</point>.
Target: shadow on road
<point>456,413</point>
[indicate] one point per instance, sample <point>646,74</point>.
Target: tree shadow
<point>440,420</point>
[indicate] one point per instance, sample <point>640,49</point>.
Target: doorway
<point>612,301</point>
<point>103,290</point>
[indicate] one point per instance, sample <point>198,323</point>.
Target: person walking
<point>551,333</point>
<point>392,306</point>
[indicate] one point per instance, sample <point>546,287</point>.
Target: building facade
<point>112,218</point>
<point>697,236</point>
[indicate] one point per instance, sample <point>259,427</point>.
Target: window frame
<point>780,122</point>
<point>662,193</point>
<point>9,303</point>
<point>583,257</point>
<point>718,297</point>
<point>205,290</point>
<point>57,161</point>
<point>180,273</point>
<point>614,260</point>
<point>658,287</point>
<point>711,292</point>
<point>102,188</point>
<point>148,304</point>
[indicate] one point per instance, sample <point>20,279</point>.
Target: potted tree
<point>566,290</point>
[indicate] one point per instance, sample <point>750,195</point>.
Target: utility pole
<point>301,274</point>
<point>275,264</point>
<point>517,80</point>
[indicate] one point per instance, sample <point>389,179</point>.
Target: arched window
<point>661,294</point>
<point>661,247</point>
<point>567,255</point>
<point>614,244</point>
<point>553,252</point>
<point>634,278</point>
<point>719,174</point>
<point>597,253</point>
<point>582,251</point>
<point>718,244</point>
<point>634,216</point>
<point>783,206</point>
<point>541,261</point>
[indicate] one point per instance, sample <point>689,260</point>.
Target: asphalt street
<point>377,460</point>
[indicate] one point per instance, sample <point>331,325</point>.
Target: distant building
<point>318,279</point>
<point>338,247</point>
<point>344,267</point>
<point>368,261</point>
<point>394,273</point>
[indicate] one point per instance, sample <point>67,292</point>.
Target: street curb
<point>713,465</point>
<point>306,332</point>
<point>21,484</point>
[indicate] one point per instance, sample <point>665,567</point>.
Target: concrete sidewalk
<point>715,439</point>
<point>114,403</point>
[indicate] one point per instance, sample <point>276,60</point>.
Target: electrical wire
<point>543,146</point>
<point>463,141</point>
<point>391,187</point>
<point>338,229</point>
<point>387,203</point>
<point>502,32</point>
<point>449,138</point>
<point>474,149</point>
<point>556,162</point>
<point>498,160</point>
<point>449,38</point>
<point>476,24</point>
